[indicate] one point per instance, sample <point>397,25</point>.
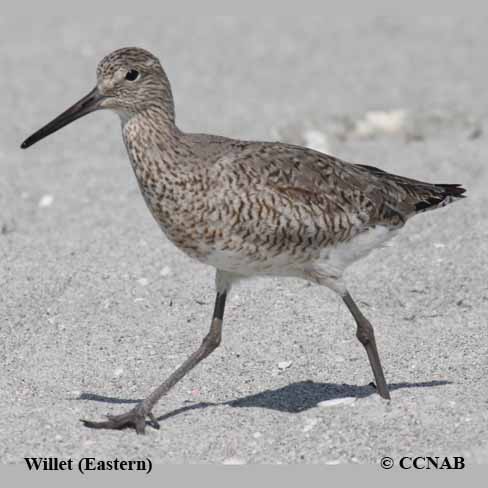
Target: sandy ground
<point>97,307</point>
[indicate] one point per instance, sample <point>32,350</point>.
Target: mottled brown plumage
<point>247,208</point>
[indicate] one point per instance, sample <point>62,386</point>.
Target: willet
<point>247,208</point>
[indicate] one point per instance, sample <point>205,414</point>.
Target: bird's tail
<point>410,196</point>
<point>441,196</point>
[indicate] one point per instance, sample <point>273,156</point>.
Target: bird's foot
<point>382,392</point>
<point>135,419</point>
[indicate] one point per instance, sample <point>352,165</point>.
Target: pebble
<point>284,365</point>
<point>166,271</point>
<point>118,372</point>
<point>46,201</point>
<point>143,281</point>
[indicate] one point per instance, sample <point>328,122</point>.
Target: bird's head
<point>129,81</point>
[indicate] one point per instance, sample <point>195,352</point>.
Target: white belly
<point>329,262</point>
<point>346,253</point>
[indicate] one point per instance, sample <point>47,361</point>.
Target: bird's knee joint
<point>365,333</point>
<point>363,339</point>
<point>212,341</point>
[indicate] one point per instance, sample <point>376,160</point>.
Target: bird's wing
<point>275,189</point>
<point>276,194</point>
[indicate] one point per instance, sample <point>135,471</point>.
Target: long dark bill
<point>82,107</point>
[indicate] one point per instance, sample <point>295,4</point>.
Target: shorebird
<point>247,208</point>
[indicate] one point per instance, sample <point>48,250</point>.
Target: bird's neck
<point>151,138</point>
<point>157,153</point>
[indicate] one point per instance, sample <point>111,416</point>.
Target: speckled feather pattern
<point>257,207</point>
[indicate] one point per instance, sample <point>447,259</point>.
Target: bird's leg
<point>136,417</point>
<point>365,334</point>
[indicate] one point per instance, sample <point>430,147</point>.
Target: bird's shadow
<point>293,398</point>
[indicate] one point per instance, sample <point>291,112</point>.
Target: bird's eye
<point>132,75</point>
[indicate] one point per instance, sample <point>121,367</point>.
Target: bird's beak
<point>87,104</point>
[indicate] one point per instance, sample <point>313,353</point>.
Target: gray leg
<point>365,334</point>
<point>136,417</point>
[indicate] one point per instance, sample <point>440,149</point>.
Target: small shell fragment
<point>46,201</point>
<point>284,365</point>
<point>337,401</point>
